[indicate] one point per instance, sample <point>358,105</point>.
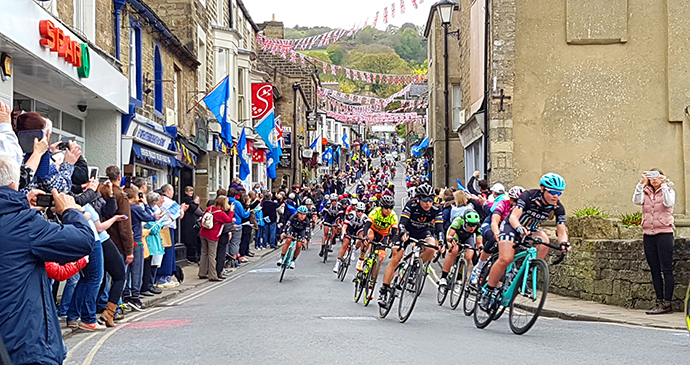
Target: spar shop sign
<point>71,51</point>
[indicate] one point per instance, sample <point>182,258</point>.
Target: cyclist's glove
<point>565,246</point>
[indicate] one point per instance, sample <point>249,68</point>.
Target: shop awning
<point>154,156</point>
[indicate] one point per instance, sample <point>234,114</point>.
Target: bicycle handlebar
<point>539,241</point>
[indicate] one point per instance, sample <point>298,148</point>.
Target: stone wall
<point>616,272</point>
<point>608,265</point>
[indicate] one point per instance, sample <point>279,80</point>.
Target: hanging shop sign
<point>153,137</point>
<point>71,51</point>
<point>185,155</point>
<point>221,146</point>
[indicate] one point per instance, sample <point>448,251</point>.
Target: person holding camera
<point>28,319</point>
<point>655,194</point>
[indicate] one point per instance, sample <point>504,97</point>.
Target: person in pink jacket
<point>223,213</point>
<point>656,196</point>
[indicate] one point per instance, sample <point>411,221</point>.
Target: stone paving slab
<point>582,310</point>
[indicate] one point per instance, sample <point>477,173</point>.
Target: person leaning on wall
<point>655,194</point>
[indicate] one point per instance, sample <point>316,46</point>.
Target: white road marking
<point>352,318</point>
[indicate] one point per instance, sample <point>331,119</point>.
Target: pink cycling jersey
<point>503,208</point>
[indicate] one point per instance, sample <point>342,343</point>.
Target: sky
<point>336,14</point>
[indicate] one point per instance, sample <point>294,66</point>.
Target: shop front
<point>146,152</point>
<point>188,157</point>
<point>48,69</point>
<point>218,166</point>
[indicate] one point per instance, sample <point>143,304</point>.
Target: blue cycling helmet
<point>553,181</point>
<point>302,209</point>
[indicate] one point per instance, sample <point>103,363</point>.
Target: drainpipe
<point>296,86</point>
<point>487,79</point>
<point>118,4</point>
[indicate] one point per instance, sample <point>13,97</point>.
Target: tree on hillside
<point>337,53</point>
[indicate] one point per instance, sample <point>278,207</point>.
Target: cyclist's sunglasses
<point>555,192</point>
<point>472,224</point>
<point>426,200</point>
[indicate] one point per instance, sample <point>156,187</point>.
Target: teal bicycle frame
<point>509,292</point>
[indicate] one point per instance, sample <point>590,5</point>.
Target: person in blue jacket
<point>240,214</point>
<point>29,324</point>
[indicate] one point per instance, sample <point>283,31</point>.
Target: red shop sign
<point>55,39</point>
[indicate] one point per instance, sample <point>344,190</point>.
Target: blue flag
<point>347,145</point>
<point>241,151</point>
<point>337,155</point>
<point>328,156</point>
<point>418,148</point>
<point>460,186</point>
<point>365,148</point>
<point>313,144</point>
<point>266,129</point>
<point>217,101</point>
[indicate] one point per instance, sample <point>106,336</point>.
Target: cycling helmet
<point>372,199</point>
<point>424,191</point>
<point>334,196</point>
<point>308,202</point>
<point>471,217</point>
<point>553,181</point>
<point>340,197</point>
<point>387,202</point>
<point>361,207</point>
<point>302,209</point>
<point>515,192</point>
<point>498,188</point>
<point>354,201</point>
<point>291,196</point>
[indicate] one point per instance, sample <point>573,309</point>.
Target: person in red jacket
<point>209,237</point>
<point>59,272</point>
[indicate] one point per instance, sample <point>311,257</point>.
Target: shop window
<point>72,124</point>
<point>158,79</point>
<point>64,125</point>
<point>135,77</point>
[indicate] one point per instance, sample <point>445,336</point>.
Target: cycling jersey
<point>462,235</point>
<point>331,210</point>
<point>415,218</point>
<point>381,224</point>
<point>535,210</point>
<point>503,208</point>
<point>298,228</point>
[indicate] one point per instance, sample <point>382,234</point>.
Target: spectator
<point>260,242</point>
<point>28,319</point>
<point>269,207</point>
<point>236,232</point>
<point>189,236</point>
<point>135,270</point>
<point>169,266</point>
<point>655,194</point>
<point>155,244</point>
<point>249,202</point>
<point>121,232</point>
<point>222,213</point>
<point>224,238</point>
<point>59,179</point>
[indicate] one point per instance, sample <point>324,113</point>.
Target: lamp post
<point>445,13</point>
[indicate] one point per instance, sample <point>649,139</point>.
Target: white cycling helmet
<point>498,188</point>
<point>515,192</point>
<point>361,207</point>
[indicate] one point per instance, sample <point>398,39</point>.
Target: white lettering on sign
<point>151,138</point>
<point>152,155</point>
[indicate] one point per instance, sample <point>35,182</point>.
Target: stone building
<point>458,86</point>
<point>222,35</point>
<point>296,86</point>
<point>589,91</point>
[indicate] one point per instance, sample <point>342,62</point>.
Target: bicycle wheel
<point>469,299</point>
<point>442,291</point>
<point>344,265</point>
<point>498,313</point>
<point>359,287</point>
<point>286,264</point>
<point>459,278</point>
<point>370,282</point>
<point>528,303</point>
<point>411,287</point>
<point>383,312</point>
<point>482,318</point>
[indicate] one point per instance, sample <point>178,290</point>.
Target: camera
<point>82,107</point>
<point>45,200</point>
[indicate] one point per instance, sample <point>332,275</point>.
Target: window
<point>85,18</point>
<point>474,158</point>
<point>158,79</point>
<point>457,106</point>
<point>202,59</point>
<point>219,12</point>
<point>50,5</point>
<point>240,97</point>
<point>64,124</point>
<point>221,64</point>
<point>230,13</point>
<point>135,81</point>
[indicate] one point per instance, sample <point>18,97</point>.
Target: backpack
<point>207,219</point>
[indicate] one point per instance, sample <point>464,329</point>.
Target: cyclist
<point>464,229</point>
<point>297,227</point>
<point>330,214</point>
<point>421,220</point>
<point>353,225</point>
<point>381,223</point>
<point>533,207</point>
<point>311,215</point>
<point>490,228</point>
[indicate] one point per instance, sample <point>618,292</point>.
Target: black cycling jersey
<point>415,218</point>
<point>354,222</point>
<point>331,210</point>
<point>536,210</point>
<point>296,225</point>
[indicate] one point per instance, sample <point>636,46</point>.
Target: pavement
<point>310,318</point>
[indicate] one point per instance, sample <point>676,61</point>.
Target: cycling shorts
<point>490,244</point>
<point>378,237</point>
<point>508,233</point>
<point>328,220</point>
<point>418,234</point>
<point>352,231</point>
<point>298,235</point>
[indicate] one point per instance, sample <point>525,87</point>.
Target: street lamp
<point>445,12</point>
